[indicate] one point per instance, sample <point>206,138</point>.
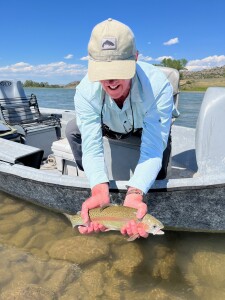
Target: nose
<point>112,81</point>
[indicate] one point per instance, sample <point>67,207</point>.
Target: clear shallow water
<point>42,257</point>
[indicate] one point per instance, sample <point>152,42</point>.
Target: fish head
<point>152,225</point>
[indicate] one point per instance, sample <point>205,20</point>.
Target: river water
<point>42,257</point>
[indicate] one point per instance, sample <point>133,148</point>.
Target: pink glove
<point>134,199</point>
<point>99,197</point>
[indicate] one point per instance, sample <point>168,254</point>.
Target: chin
<point>114,95</point>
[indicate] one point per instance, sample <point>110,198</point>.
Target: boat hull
<point>199,207</point>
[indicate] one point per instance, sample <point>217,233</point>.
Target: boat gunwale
<point>81,183</point>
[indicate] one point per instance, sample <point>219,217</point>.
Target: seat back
<point>10,89</point>
<point>16,107</point>
<point>173,76</point>
<point>210,133</point>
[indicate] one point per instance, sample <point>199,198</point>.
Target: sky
<point>46,41</point>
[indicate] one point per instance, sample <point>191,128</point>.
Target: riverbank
<point>200,85</point>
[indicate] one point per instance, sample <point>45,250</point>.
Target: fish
<point>114,217</point>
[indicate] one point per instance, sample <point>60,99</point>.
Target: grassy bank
<point>201,85</point>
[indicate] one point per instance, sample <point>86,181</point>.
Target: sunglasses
<point>115,135</point>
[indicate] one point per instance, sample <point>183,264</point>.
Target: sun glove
<point>134,199</point>
<point>99,198</point>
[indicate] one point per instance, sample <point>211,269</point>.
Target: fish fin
<point>68,216</point>
<point>102,207</point>
<point>133,237</point>
<point>138,219</point>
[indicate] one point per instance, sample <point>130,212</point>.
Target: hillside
<point>201,80</point>
<point>71,85</point>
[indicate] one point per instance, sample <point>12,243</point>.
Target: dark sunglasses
<point>113,134</point>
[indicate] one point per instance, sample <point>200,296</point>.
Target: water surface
<point>41,255</point>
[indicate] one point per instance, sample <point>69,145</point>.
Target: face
<point>117,88</point>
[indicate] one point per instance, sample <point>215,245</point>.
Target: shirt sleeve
<point>156,128</point>
<point>89,123</point>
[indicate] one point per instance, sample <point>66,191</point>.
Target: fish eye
<point>154,226</point>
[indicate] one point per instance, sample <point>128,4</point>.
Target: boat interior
<point>35,137</point>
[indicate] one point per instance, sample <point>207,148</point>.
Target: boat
<point>191,198</point>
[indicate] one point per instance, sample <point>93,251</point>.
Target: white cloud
<point>84,58</point>
<point>171,42</point>
<point>68,56</point>
<point>206,63</point>
<point>144,58</point>
<point>160,58</point>
<point>149,58</point>
<point>23,71</point>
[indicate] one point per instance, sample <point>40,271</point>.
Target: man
<point>119,97</point>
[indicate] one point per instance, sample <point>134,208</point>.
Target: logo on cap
<point>109,43</point>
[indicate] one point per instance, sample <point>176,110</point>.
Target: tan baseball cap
<point>112,51</point>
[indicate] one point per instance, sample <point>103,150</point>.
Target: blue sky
<point>47,40</point>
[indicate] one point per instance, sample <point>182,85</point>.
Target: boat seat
<point>210,133</point>
<point>123,165</point>
<point>16,153</point>
<point>173,76</point>
<point>23,113</point>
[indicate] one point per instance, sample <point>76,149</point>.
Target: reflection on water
<point>42,257</point>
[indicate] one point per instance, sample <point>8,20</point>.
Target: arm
<point>154,140</point>
<point>89,123</point>
<point>88,120</point>
<point>156,128</point>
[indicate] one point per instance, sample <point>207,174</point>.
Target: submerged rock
<point>79,249</point>
<point>11,208</point>
<point>164,262</point>
<point>208,293</point>
<point>29,292</point>
<point>90,285</point>
<point>128,258</point>
<point>207,268</point>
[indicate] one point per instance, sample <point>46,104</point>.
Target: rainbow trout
<point>114,217</point>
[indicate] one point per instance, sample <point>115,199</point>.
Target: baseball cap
<point>112,51</point>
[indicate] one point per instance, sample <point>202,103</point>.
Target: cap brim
<point>116,69</point>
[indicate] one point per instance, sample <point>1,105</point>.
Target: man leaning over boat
<point>120,97</point>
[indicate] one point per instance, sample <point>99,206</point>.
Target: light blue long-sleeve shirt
<point>151,97</point>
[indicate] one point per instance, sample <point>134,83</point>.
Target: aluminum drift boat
<point>191,198</point>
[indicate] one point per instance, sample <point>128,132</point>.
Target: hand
<point>92,226</point>
<point>99,197</point>
<point>135,200</point>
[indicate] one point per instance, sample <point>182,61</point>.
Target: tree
<point>178,64</point>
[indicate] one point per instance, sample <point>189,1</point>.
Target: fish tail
<point>75,220</point>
